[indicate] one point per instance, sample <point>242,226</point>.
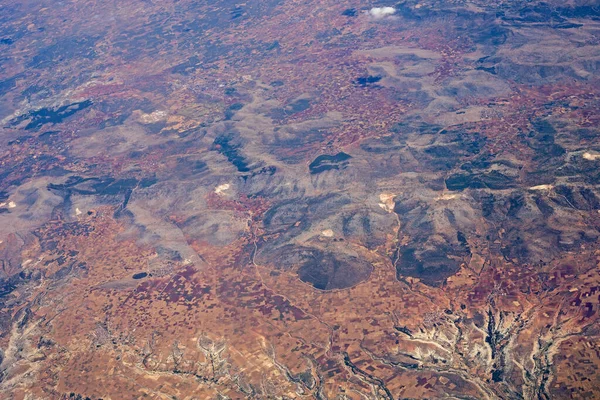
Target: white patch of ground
<point>327,233</point>
<point>387,201</point>
<point>591,157</point>
<point>153,117</point>
<point>221,188</point>
<point>541,187</point>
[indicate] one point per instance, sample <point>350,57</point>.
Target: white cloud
<point>380,12</point>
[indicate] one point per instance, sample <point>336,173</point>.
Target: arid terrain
<point>299,199</point>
